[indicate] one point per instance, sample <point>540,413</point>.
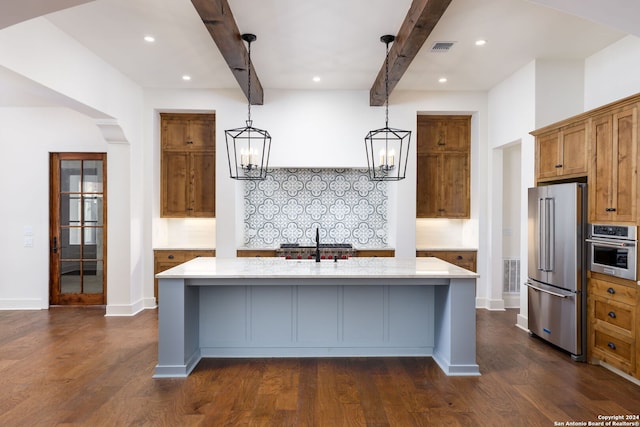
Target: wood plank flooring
<point>75,367</point>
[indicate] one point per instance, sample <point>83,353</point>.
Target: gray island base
<point>272,307</point>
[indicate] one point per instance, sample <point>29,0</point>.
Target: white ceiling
<point>337,40</point>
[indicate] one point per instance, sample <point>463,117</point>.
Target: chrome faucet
<point>317,244</point>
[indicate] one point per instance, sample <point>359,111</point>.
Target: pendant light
<point>248,147</point>
<point>387,148</point>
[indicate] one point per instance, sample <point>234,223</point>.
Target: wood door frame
<point>55,298</point>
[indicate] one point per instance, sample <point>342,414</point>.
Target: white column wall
<point>79,80</point>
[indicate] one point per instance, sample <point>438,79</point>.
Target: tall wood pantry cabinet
<point>187,165</point>
<point>443,166</point>
<point>614,174</point>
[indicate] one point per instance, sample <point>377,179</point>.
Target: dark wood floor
<point>75,367</point>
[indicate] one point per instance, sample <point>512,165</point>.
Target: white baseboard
<point>125,309</point>
<point>522,322</point>
<point>490,304</point>
<point>511,300</point>
<point>149,303</point>
<point>23,304</point>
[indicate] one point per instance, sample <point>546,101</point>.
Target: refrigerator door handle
<point>542,225</point>
<point>555,294</point>
<point>551,233</point>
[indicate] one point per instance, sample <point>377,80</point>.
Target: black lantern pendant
<point>387,148</point>
<point>248,147</point>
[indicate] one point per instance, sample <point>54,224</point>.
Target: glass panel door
<point>78,226</point>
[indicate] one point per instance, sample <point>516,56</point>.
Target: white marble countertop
<point>448,248</point>
<point>208,267</point>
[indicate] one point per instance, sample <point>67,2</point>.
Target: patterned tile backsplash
<point>289,205</point>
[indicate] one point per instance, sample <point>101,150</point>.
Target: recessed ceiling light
<point>442,80</point>
<point>481,42</point>
<point>186,77</point>
<point>316,79</point>
<point>149,39</point>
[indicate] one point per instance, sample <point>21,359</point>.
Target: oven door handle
<point>610,244</point>
<point>555,294</point>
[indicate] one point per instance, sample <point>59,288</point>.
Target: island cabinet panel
<point>563,152</point>
<point>271,307</point>
<point>304,318</point>
<point>443,167</point>
<point>187,165</point>
<point>613,183</point>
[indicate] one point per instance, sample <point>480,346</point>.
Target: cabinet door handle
<point>459,257</point>
<point>612,314</point>
<point>170,257</point>
<point>611,291</point>
<point>189,142</point>
<point>558,166</point>
<point>54,248</point>
<point>611,345</point>
<point>610,210</point>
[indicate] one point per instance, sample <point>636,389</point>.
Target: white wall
<point>27,136</point>
<point>79,80</point>
<point>612,73</point>
<point>511,118</point>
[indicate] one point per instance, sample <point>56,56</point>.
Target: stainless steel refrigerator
<point>557,266</point>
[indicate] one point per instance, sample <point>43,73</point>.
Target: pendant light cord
<point>386,88</point>
<point>249,88</point>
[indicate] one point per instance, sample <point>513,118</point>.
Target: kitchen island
<point>272,307</point>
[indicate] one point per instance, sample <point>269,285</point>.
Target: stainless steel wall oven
<point>613,250</point>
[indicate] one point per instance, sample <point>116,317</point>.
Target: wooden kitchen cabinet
<point>375,253</point>
<point>255,253</point>
<point>190,131</point>
<point>443,167</point>
<point>164,259</point>
<point>613,307</point>
<point>444,133</point>
<point>187,178</point>
<point>613,181</point>
<point>461,258</point>
<point>562,152</point>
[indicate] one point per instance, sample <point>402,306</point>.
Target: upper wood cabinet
<point>562,152</point>
<point>613,184</point>
<point>187,165</point>
<point>443,167</point>
<point>188,131</point>
<point>444,133</point>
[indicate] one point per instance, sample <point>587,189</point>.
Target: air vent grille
<point>440,47</point>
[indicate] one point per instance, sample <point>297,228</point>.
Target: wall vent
<point>511,278</point>
<point>440,47</point>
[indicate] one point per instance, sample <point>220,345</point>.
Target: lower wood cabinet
<point>382,253</point>
<point>461,258</point>
<point>164,259</point>
<point>255,253</point>
<point>613,310</point>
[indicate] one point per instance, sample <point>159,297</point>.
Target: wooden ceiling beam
<point>421,19</point>
<point>218,18</point>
